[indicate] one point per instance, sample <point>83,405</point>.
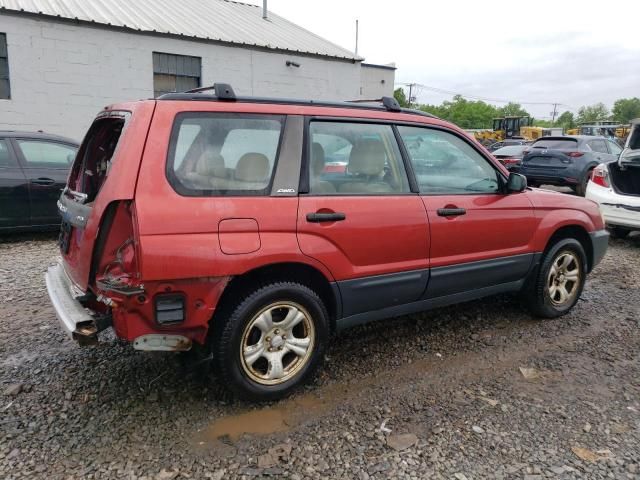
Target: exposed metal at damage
<point>162,343</point>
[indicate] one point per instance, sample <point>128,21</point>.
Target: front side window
<point>5,91</point>
<point>354,159</point>
<point>223,154</point>
<point>39,153</point>
<point>446,164</point>
<point>175,73</point>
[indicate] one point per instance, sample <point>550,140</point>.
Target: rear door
<point>601,151</point>
<point>480,236</point>
<point>46,165</point>
<point>364,224</point>
<point>14,190</point>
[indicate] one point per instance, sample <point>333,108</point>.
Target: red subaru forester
<point>210,220</point>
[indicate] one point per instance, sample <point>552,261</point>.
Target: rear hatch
<point>552,154</point>
<point>102,177</point>
<point>625,173</point>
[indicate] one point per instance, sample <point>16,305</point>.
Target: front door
<point>359,217</point>
<point>14,190</point>
<point>480,236</point>
<point>46,164</point>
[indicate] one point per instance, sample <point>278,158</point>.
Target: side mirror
<point>516,183</point>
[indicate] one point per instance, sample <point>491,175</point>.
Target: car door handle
<point>43,181</point>
<point>451,212</point>
<point>325,217</point>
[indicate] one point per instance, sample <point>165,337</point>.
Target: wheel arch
<point>298,272</point>
<point>577,232</point>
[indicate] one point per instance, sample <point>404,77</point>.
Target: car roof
<point>36,135</point>
<point>573,137</point>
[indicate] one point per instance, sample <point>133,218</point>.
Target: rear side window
<point>39,153</point>
<point>556,144</point>
<point>355,159</point>
<point>598,146</point>
<point>614,147</point>
<point>5,159</point>
<point>214,154</point>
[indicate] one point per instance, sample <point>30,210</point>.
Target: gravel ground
<point>479,390</point>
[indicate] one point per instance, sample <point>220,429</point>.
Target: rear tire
<point>273,341</point>
<point>581,188</point>
<point>619,232</point>
<point>559,281</point>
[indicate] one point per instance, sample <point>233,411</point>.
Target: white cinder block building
<point>61,61</point>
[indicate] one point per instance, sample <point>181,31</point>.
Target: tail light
<point>510,161</point>
<point>575,154</point>
<point>116,267</point>
<point>600,176</point>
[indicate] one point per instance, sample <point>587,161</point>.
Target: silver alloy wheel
<point>277,343</point>
<point>564,278</point>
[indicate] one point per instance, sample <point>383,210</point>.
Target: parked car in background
<point>615,186</point>
<point>209,221</point>
<point>33,172</point>
<point>567,160</point>
<point>506,143</point>
<point>511,156</point>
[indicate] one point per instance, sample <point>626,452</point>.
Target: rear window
<point>214,154</point>
<point>511,150</point>
<point>96,154</point>
<point>556,144</point>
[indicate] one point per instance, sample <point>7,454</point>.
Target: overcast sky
<point>572,53</point>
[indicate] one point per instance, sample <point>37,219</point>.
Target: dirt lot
<point>481,390</point>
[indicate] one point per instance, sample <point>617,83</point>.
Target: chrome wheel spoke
<point>299,346</point>
<point>293,318</point>
<point>564,295</point>
<point>276,368</point>
<point>572,276</point>
<point>253,353</point>
<point>264,322</point>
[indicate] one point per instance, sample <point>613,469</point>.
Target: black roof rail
<point>224,92</point>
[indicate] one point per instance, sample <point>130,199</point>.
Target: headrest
<point>210,164</point>
<point>317,158</point>
<point>367,158</point>
<point>252,167</point>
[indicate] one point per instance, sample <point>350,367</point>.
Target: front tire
<point>559,281</point>
<point>273,341</point>
<point>619,232</point>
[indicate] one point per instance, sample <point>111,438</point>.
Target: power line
<point>478,97</point>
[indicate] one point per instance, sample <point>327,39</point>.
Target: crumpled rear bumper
<point>74,319</point>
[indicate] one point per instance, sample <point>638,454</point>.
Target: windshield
<point>556,143</point>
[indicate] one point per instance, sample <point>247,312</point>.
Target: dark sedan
<point>33,171</point>
<point>511,156</point>
<point>567,160</point>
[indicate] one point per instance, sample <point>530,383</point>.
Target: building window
<point>175,73</point>
<point>5,92</point>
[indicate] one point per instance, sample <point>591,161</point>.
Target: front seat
<point>317,167</point>
<point>366,164</point>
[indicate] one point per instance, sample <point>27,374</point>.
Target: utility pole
<point>554,113</point>
<point>411,85</point>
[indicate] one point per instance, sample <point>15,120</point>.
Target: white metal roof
<point>213,20</point>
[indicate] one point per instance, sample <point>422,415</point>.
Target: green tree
<point>464,113</point>
<point>513,110</point>
<point>401,97</point>
<point>566,120</point>
<point>626,109</point>
<point>593,113</point>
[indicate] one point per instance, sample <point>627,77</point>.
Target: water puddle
<point>277,418</point>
